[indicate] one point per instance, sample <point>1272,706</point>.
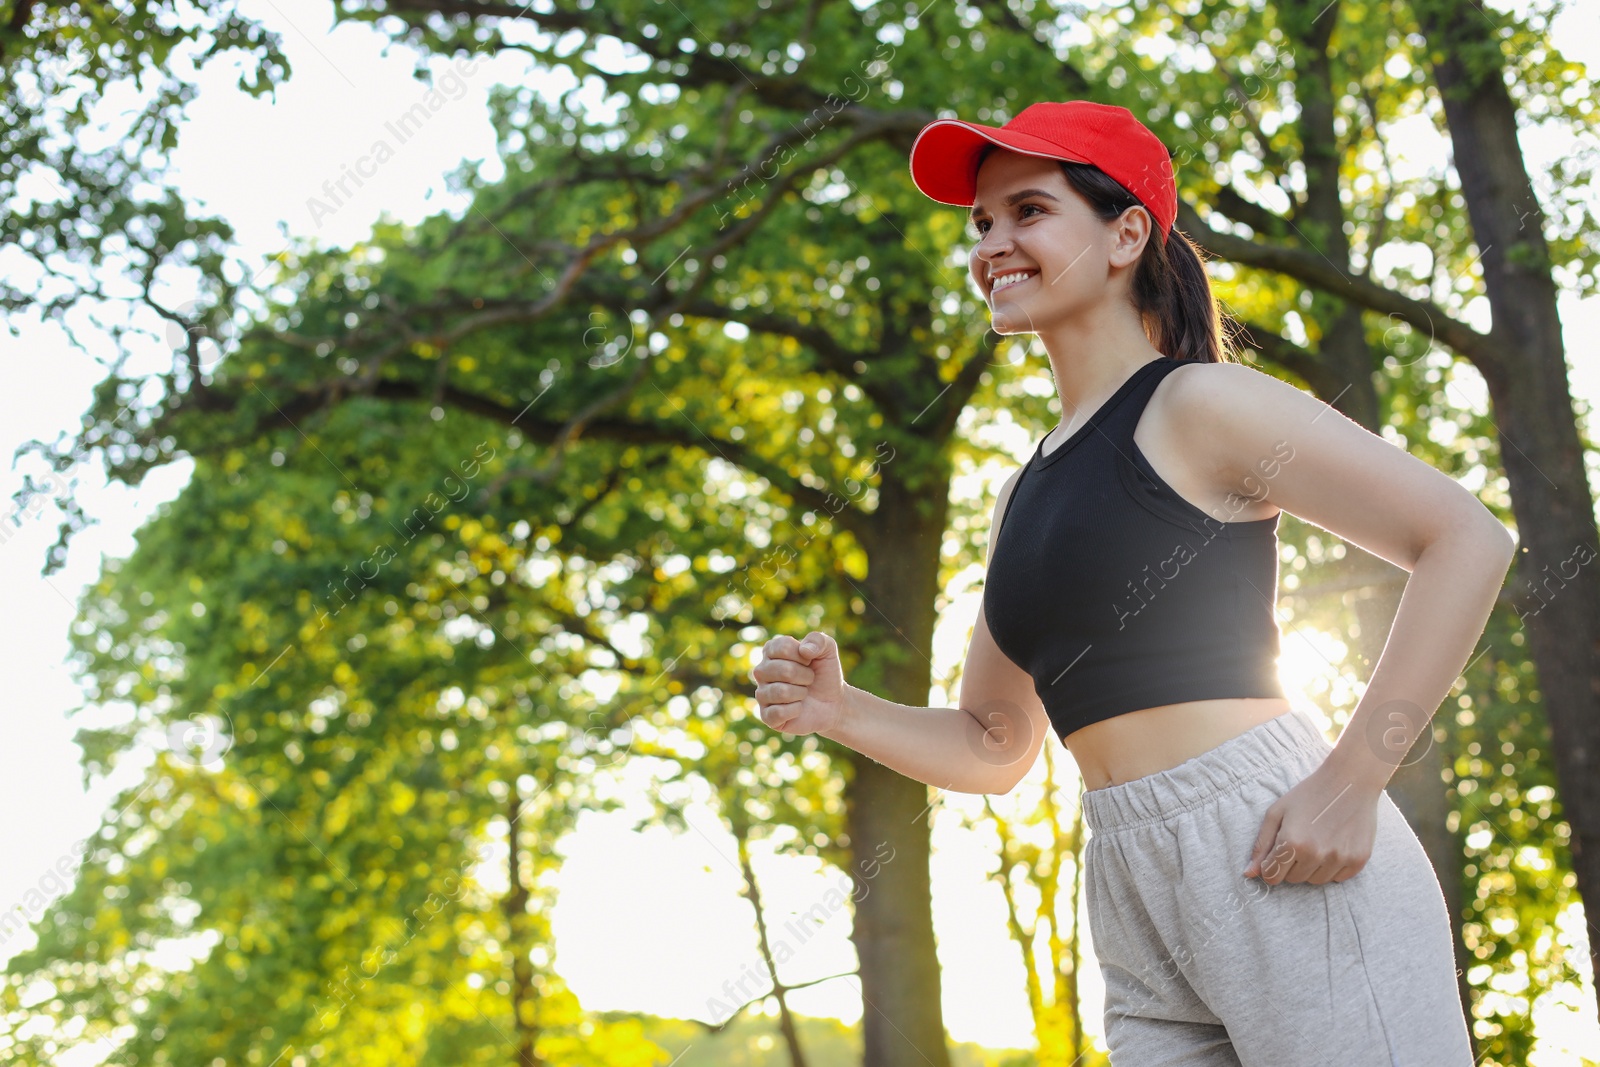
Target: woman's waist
<point>1136,744</point>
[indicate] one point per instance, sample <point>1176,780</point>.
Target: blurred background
<point>423,411</point>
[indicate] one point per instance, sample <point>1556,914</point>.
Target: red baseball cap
<point>944,157</point>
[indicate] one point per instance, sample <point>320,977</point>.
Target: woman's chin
<point>1008,319</point>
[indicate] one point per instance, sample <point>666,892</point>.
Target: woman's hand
<point>800,684</point>
<point>1320,831</point>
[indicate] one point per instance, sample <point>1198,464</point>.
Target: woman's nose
<point>988,260</point>
<point>993,243</point>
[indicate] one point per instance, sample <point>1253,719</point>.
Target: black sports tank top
<point>1115,593</point>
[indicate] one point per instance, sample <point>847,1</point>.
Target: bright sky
<point>257,163</point>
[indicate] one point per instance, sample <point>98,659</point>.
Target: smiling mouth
<point>1011,280</point>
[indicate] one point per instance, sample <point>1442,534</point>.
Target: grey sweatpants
<point>1206,968</point>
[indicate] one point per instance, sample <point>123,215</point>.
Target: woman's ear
<point>1129,232</point>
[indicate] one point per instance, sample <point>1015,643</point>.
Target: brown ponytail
<point>1170,289</point>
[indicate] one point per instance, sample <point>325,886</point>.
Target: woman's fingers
<point>781,681</point>
<point>784,647</point>
<point>783,670</point>
<point>780,692</point>
<point>798,683</point>
<point>776,715</point>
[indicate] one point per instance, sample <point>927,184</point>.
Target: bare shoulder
<point>1203,398</point>
<point>1195,384</point>
<point>1233,417</point>
<point>1267,440</point>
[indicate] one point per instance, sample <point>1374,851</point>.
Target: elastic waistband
<point>1161,796</point>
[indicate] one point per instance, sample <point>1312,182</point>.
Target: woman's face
<point>1063,252</point>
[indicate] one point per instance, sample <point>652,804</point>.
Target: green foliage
<point>61,68</point>
<point>489,515</point>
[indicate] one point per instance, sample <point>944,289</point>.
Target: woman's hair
<point>1170,288</point>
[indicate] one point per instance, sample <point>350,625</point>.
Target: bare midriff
<point>1152,740</point>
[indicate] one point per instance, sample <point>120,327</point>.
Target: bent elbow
<point>1508,543</point>
<point>1010,787</point>
<point>1479,532</point>
<point>1498,539</point>
<point>1007,778</point>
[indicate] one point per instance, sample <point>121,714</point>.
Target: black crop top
<point>1115,593</point>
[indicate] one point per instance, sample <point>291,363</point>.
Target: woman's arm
<point>801,690</point>
<point>1265,439</point>
<point>986,745</point>
<point>944,747</point>
<point>1353,483</point>
<point>1447,600</point>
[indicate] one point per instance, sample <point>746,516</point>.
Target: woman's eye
<point>981,227</point>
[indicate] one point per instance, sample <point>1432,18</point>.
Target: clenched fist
<point>800,685</point>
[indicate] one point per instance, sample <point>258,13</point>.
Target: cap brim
<point>944,157</point>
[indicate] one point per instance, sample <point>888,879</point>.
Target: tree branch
<point>965,384</point>
<point>549,432</point>
<point>1301,362</point>
<point>1315,270</point>
<point>1263,220</point>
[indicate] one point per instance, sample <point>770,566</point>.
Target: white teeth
<point>1006,280</point>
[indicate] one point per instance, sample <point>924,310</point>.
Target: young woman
<point>1255,898</point>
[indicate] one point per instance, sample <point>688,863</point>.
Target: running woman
<point>1255,898</point>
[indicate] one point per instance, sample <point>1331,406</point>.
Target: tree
<point>681,335</point>
<point>1035,855</point>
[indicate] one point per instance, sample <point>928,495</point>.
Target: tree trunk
<point>524,1021</point>
<point>1021,936</point>
<point>886,812</point>
<point>1065,845</point>
<point>903,1020</point>
<point>780,992</point>
<point>1525,368</point>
